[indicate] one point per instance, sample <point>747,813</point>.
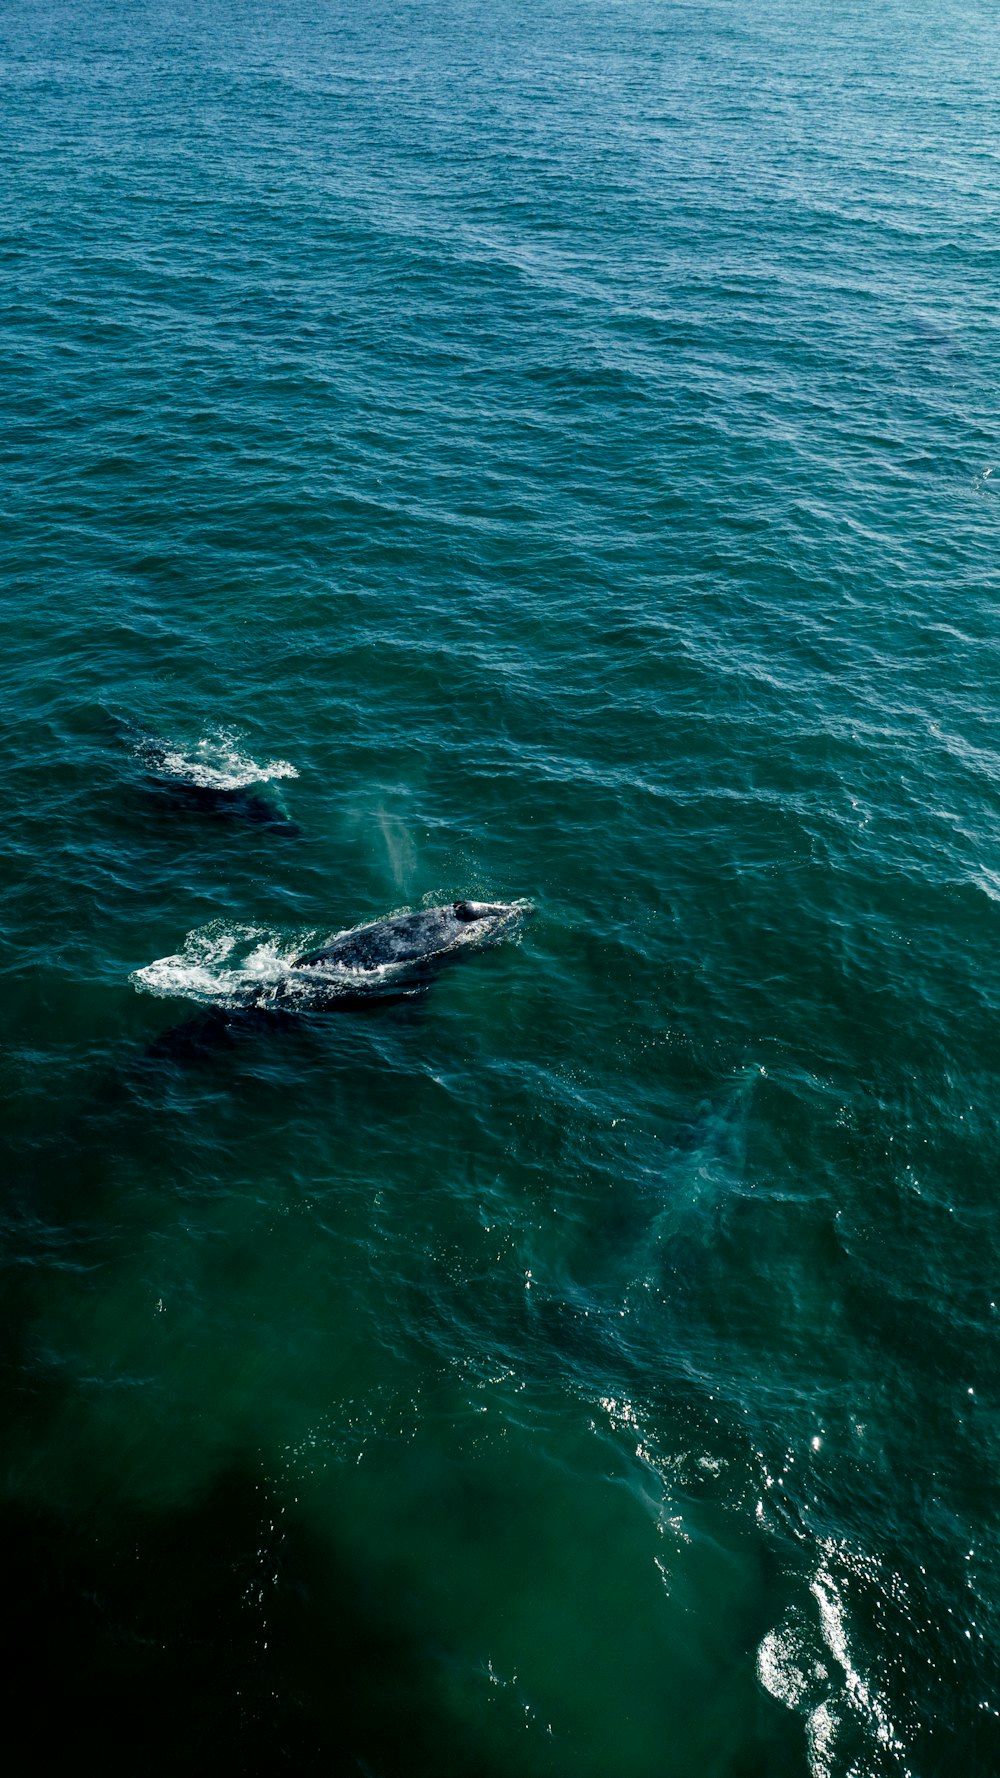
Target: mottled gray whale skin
<point>414,943</point>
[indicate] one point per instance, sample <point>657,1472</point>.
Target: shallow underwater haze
<point>502,451</point>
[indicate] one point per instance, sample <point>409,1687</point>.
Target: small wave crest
<point>815,1675</point>
<point>216,762</point>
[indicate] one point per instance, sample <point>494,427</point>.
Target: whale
<point>404,950</point>
<point>243,986</point>
<point>215,778</point>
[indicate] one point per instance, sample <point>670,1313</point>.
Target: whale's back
<point>409,938</point>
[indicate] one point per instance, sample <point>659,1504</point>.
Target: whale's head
<point>475,910</point>
<point>490,919</point>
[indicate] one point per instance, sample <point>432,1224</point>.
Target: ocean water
<point>501,451</point>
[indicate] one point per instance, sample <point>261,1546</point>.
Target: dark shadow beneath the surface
<point>200,1641</point>
<point>217,1029</point>
<point>222,804</point>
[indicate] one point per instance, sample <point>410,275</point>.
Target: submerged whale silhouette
<point>228,802</point>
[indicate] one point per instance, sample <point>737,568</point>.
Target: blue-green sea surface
<point>501,451</point>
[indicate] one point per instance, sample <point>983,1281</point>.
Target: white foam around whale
<point>242,966</point>
<point>221,965</point>
<point>216,762</point>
